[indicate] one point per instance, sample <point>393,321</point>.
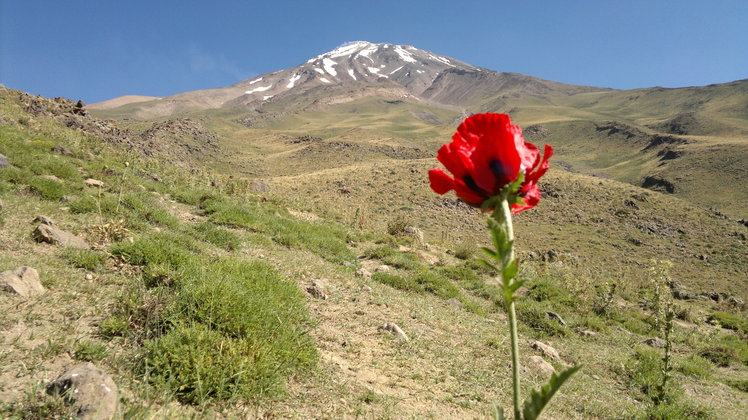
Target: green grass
<point>328,240</point>
<point>84,258</point>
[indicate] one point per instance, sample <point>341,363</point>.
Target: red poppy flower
<point>487,153</point>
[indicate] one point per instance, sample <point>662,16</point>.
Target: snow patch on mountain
<point>329,66</point>
<point>255,81</point>
<point>404,54</point>
<point>353,76</point>
<point>324,80</point>
<point>258,89</point>
<point>293,80</point>
<point>393,71</point>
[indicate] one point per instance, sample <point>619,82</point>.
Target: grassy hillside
<point>193,294</point>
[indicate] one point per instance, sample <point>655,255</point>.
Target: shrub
<point>696,366</point>
<point>719,355</point>
<point>84,258</point>
<point>730,321</point>
<point>214,235</point>
<point>533,315</point>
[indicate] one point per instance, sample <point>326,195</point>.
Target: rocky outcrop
<point>23,281</point>
<point>89,389</point>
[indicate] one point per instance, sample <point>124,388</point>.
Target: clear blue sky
<point>99,49</point>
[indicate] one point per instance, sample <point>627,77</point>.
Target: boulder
<point>89,389</point>
<point>52,235</point>
<point>415,233</point>
<point>362,272</point>
<point>23,281</point>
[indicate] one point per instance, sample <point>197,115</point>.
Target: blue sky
<point>99,49</point>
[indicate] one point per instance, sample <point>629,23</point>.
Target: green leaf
<point>488,264</point>
<point>510,271</point>
<point>515,285</point>
<point>539,399</point>
<point>498,412</point>
<point>490,252</point>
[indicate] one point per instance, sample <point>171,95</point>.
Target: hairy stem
<point>505,221</point>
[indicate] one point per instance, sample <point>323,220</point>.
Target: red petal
<point>467,194</point>
<point>542,168</point>
<point>496,143</point>
<point>441,183</point>
<point>454,159</point>
<point>531,197</point>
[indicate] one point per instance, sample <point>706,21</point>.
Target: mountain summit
<point>402,70</point>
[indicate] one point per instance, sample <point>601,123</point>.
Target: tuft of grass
<point>533,315</point>
<point>89,351</point>
<point>84,258</point>
<point>719,355</point>
<point>696,366</point>
<point>328,240</point>
<point>730,321</point>
<point>216,236</point>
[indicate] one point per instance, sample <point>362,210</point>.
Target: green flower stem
<point>505,220</point>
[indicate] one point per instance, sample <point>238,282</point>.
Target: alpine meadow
<point>277,248</point>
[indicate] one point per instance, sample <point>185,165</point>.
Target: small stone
<point>541,366</point>
<point>366,288</point>
<point>384,268</point>
<point>415,233</point>
<point>94,183</point>
<point>62,150</point>
<point>43,220</point>
<point>656,342</point>
<point>4,161</point>
<point>454,302</point>
<point>316,289</point>
<point>52,235</point>
<point>394,329</point>
<point>89,277</point>
<point>68,198</point>
<point>51,178</point>
<point>89,389</point>
<point>348,264</point>
<point>23,281</point>
<point>557,317</point>
<point>545,350</point>
<point>362,272</point>
<point>588,333</point>
<point>428,258</point>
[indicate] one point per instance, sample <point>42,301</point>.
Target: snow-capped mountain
<point>359,61</point>
<point>401,70</point>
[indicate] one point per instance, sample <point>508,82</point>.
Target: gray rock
<point>68,198</point>
<point>23,281</point>
<point>62,150</point>
<point>541,367</point>
<point>366,288</point>
<point>43,220</point>
<point>588,333</point>
<point>656,342</point>
<point>4,161</point>
<point>732,300</point>
<point>415,233</point>
<point>394,329</point>
<point>557,317</point>
<point>89,389</point>
<point>52,235</point>
<point>362,272</point>
<point>384,268</point>
<point>51,178</point>
<point>94,183</point>
<point>455,302</point>
<point>545,350</point>
<point>317,289</point>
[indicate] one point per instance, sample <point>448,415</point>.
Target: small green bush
<point>84,258</point>
<point>398,282</point>
<point>533,314</point>
<point>48,189</point>
<point>214,235</point>
<point>730,321</point>
<point>696,366</point>
<point>89,351</point>
<point>719,355</point>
